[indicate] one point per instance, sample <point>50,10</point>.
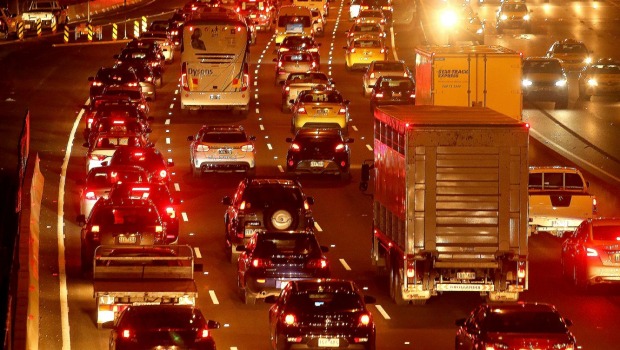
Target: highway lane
<point>342,212</point>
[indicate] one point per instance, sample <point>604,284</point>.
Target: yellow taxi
<point>513,14</point>
<point>573,54</point>
<point>320,106</point>
<point>600,78</point>
<point>363,50</point>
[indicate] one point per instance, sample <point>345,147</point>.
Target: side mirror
<point>81,220</point>
<point>349,140</point>
<point>213,324</point>
<point>460,322</point>
<point>240,249</point>
<point>289,139</point>
<point>310,200</point>
<point>324,249</point>
<point>271,299</point>
<point>226,200</point>
<point>190,138</point>
<point>85,144</point>
<point>369,299</point>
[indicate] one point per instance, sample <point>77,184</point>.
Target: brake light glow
<point>242,206</point>
<point>95,228</point>
<point>90,195</point>
<point>340,147</point>
<point>342,110</point>
<point>364,320</point>
<point>202,148</point>
<point>126,333</point>
<point>133,84</point>
<point>149,79</point>
<point>247,148</point>
<point>295,147</point>
<point>317,263</point>
<point>352,50</point>
<point>382,50</point>
<point>594,206</point>
<point>306,205</point>
<point>372,75</point>
<point>301,110</point>
<point>313,64</point>
<point>279,64</point>
<point>379,95</point>
<point>261,263</point>
<point>170,212</point>
<point>205,333</point>
<point>159,229</point>
<point>591,252</point>
<point>287,88</point>
<point>97,83</point>
<point>290,319</point>
<point>410,272</point>
<point>89,122</point>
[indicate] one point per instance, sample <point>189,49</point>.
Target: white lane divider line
<point>280,168</point>
<point>171,105</point>
<point>369,147</point>
<point>345,265</point>
<point>382,312</point>
<point>184,215</point>
<point>262,127</point>
<point>177,187</point>
<point>269,146</point>
<point>354,128</point>
<point>257,111</point>
<point>167,140</point>
<point>213,297</point>
<point>233,348</point>
<point>176,92</point>
<point>167,122</point>
<point>318,228</point>
<point>197,252</point>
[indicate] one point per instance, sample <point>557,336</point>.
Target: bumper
<point>545,94</point>
<point>148,89</point>
<point>318,167</point>
<point>214,165</point>
<point>603,275</point>
<point>300,122</point>
<point>214,100</point>
<point>309,339</point>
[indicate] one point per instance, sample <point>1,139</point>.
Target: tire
<point>281,343</point>
<point>196,173</point>
<point>580,283</point>
<point>395,293</point>
<point>281,219</point>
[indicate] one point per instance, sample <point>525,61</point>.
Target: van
<point>293,20</point>
<point>320,5</point>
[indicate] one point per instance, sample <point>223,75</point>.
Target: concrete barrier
<point>79,12</point>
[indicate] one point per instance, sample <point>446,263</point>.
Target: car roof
<point>520,306</point>
<point>328,284</point>
<point>223,128</point>
<point>272,181</point>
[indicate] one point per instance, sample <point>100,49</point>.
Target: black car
<point>148,81</point>
<point>162,327</point>
<point>149,158</point>
<point>124,222</point>
<point>265,203</point>
<point>544,79</point>
<point>107,76</point>
<point>160,195</point>
<point>321,313</point>
<point>270,260</point>
<point>392,90</point>
<point>319,151</point>
<point>145,55</point>
<point>296,43</point>
<point>114,124</point>
<point>522,325</point>
<point>108,107</point>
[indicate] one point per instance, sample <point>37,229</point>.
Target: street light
<point>448,19</point>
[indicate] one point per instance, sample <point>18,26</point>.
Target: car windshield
<point>367,44</point>
<point>555,181</point>
<point>606,233</point>
<point>515,7</point>
<point>399,84</point>
<point>321,301</point>
<point>103,176</point>
<point>224,137</point>
<point>261,197</point>
<point>551,66</point>
<point>328,97</point>
<point>137,216</point>
<point>604,69</point>
<point>571,48</point>
<point>162,318</point>
<point>304,21</point>
<point>507,321</point>
<point>275,245</point>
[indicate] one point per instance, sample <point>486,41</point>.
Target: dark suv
<point>544,79</point>
<point>265,204</point>
<point>272,259</point>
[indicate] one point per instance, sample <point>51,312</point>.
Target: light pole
<point>125,13</point>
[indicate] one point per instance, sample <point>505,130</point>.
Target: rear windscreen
<point>606,233</point>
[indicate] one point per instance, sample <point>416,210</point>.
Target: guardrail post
<point>20,30</point>
<point>143,24</point>
<point>66,34</point>
<point>136,29</point>
<point>54,27</point>
<point>114,31</point>
<point>39,27</point>
<point>90,32</point>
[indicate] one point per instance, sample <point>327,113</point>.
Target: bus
<point>215,58</point>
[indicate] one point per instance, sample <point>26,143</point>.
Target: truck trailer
<point>478,75</point>
<point>450,207</point>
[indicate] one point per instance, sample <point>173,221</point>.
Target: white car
<point>165,44</point>
<point>222,149</point>
<point>354,9</point>
<point>318,23</point>
<point>380,68</point>
<point>100,181</point>
<point>105,144</point>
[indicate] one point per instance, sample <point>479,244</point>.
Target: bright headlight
<point>592,82</point>
<point>448,18</point>
<point>526,17</point>
<point>588,60</point>
<point>479,31</point>
<point>561,82</point>
<point>527,82</point>
<point>503,17</point>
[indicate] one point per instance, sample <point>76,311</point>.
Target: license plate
<point>320,112</point>
<point>249,231</point>
<point>329,342</point>
<point>318,164</point>
<point>466,275</point>
<point>215,97</point>
<point>225,151</point>
<point>127,239</point>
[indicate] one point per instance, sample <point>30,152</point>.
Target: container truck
<point>450,204</point>
<point>479,75</point>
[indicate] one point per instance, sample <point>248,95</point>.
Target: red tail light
<point>289,319</point>
<point>184,81</point>
<point>301,110</point>
<point>295,147</point>
<point>279,64</point>
<point>96,83</point>
<point>89,122</point>
<point>591,252</point>
<point>247,148</point>
<point>313,64</point>
<point>135,84</point>
<point>340,147</point>
<point>382,50</point>
<point>594,205</point>
<point>342,111</point>
<point>365,319</point>
<point>118,122</point>
<point>97,156</point>
<point>287,88</point>
<point>317,264</point>
<point>412,95</point>
<point>204,334</point>
<point>352,50</point>
<point>237,9</point>
<point>149,79</point>
<point>90,195</point>
<point>202,148</point>
<point>170,212</point>
<point>126,334</point>
<point>306,205</point>
<point>242,206</point>
<point>258,263</point>
<point>379,95</point>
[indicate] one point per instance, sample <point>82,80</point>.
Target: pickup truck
<point>140,275</point>
<point>50,12</point>
<point>558,199</point>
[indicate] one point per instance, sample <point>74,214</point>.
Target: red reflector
<point>126,333</point>
<point>205,333</point>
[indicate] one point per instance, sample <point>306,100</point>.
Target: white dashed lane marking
<point>213,297</point>
<point>262,127</point>
<point>184,215</point>
<point>369,147</point>
<point>280,168</point>
<point>197,252</point>
<point>345,265</point>
<point>382,312</point>
<point>167,140</point>
<point>269,146</point>
<point>318,228</point>
<point>171,105</point>
<point>354,128</point>
<point>177,187</point>
<point>167,122</point>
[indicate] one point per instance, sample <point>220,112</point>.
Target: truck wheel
<point>395,290</point>
<point>196,173</point>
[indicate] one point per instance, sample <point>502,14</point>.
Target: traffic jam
<point>453,203</point>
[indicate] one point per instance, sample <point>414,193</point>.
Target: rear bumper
<point>603,275</point>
